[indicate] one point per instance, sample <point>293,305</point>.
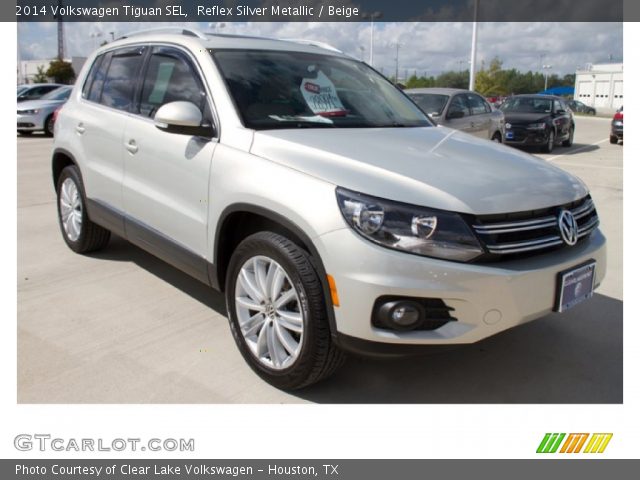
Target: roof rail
<point>189,32</point>
<point>314,43</point>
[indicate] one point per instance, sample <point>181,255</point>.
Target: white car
<point>333,214</point>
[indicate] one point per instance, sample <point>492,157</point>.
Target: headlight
<point>28,112</point>
<point>537,126</point>
<point>413,229</point>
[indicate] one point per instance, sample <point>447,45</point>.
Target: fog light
<point>400,315</point>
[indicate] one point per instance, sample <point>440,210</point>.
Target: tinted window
<point>458,104</point>
<point>430,103</point>
<point>527,105</point>
<point>169,78</point>
<point>120,81</point>
<point>476,104</point>
<point>95,90</point>
<point>90,77</point>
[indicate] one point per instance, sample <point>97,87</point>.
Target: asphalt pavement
<point>120,326</point>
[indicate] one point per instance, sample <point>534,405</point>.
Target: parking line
<point>577,150</point>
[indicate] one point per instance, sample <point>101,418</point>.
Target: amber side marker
<point>334,291</point>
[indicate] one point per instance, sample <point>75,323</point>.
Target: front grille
<point>519,133</point>
<point>530,232</point>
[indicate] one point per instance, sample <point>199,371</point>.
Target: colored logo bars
<point>597,442</point>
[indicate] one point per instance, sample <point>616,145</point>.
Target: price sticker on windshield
<point>321,96</point>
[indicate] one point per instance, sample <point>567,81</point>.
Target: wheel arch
<point>238,221</point>
<point>61,159</point>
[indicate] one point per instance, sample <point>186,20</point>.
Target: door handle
<point>131,146</point>
<point>80,128</point>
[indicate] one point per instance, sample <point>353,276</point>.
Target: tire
<point>81,235</point>
<point>551,141</point>
<point>25,133</point>
<point>305,353</point>
<point>496,137</point>
<point>48,126</point>
<point>613,139</point>
<point>569,141</point>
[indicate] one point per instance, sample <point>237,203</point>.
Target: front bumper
<point>617,130</point>
<point>487,298</point>
<point>522,136</point>
<point>30,123</point>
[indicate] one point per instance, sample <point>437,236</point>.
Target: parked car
<point>38,115</point>
<point>35,91</point>
<point>460,109</point>
<point>538,120</point>
<point>325,205</point>
<point>616,127</point>
<point>579,107</point>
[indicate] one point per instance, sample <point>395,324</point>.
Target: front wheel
<point>551,141</point>
<point>496,137</point>
<point>48,126</point>
<point>277,312</point>
<point>613,139</point>
<point>569,141</point>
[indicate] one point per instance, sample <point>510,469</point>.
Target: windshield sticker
<point>321,96</point>
<point>300,118</point>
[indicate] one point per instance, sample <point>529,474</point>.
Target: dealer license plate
<point>575,286</point>
<point>509,135</point>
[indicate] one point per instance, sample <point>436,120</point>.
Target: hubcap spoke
<point>269,312</point>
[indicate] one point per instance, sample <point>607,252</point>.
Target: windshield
<point>274,89</point>
<point>61,93</point>
<point>430,103</point>
<point>527,105</point>
<point>21,89</point>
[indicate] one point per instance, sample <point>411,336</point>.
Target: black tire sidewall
<point>73,173</point>
<point>310,305</point>
<point>48,131</point>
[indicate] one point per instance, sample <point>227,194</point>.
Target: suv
<point>332,213</point>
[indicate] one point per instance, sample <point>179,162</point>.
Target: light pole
<point>371,16</point>
<point>94,36</point>
<point>474,47</point>
<point>397,59</point>
<point>546,69</point>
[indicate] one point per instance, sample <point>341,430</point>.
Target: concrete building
<point>600,86</point>
<point>27,69</point>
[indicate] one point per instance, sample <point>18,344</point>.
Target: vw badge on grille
<point>568,227</point>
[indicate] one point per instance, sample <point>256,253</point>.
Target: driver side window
<point>169,78</point>
<point>458,106</point>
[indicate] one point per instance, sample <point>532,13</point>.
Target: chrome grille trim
<point>546,239</point>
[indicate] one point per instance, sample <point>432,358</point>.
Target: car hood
<point>519,118</point>
<point>432,166</point>
<point>38,104</point>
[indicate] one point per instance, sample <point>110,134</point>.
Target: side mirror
<point>453,114</point>
<point>182,118</point>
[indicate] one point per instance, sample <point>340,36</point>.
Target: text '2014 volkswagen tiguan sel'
<point>325,205</point>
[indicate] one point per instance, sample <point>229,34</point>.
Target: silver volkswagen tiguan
<point>332,213</point>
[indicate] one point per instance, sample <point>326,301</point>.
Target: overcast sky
<point>424,47</point>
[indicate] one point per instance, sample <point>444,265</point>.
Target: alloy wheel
<point>269,312</point>
<point>71,209</point>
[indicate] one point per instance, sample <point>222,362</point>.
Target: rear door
<point>166,179</point>
<point>99,123</point>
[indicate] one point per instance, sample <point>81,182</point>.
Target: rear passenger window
<point>91,76</point>
<point>95,89</point>
<point>169,78</point>
<point>120,81</point>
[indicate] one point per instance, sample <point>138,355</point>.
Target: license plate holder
<point>575,286</point>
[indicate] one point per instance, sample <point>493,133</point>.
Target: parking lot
<point>120,326</point>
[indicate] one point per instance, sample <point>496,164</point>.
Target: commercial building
<point>600,86</point>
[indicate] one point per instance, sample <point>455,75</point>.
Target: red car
<point>616,127</point>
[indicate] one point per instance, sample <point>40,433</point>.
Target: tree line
<point>493,81</point>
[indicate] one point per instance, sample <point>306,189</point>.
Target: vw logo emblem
<point>508,125</point>
<point>568,227</point>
